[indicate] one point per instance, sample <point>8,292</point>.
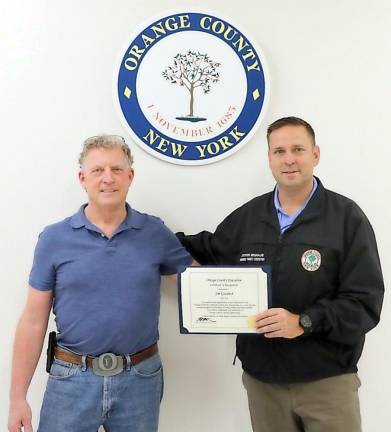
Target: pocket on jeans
<point>62,370</point>
<point>149,367</point>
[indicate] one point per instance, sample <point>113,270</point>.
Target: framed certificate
<point>222,300</point>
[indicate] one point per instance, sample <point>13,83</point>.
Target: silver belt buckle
<point>107,364</point>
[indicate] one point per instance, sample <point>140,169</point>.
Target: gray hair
<point>106,142</point>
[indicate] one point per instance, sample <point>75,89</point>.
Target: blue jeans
<point>80,401</point>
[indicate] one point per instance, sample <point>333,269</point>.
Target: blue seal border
<point>140,125</point>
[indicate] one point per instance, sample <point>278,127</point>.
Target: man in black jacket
<point>300,370</point>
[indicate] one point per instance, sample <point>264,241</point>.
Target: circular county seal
<point>311,260</point>
<point>191,88</point>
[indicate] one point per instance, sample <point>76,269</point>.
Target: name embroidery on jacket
<point>252,257</point>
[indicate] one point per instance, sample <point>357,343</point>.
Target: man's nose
<point>289,158</point>
<point>107,175</point>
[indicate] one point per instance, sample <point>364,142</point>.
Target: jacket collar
<point>312,210</point>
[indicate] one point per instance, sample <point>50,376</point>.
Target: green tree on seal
<point>192,70</point>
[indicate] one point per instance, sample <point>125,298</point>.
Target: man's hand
<point>29,337</point>
<point>20,415</point>
<point>278,322</point>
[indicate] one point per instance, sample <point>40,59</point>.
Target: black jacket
<point>343,296</point>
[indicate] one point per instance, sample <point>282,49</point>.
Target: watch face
<point>305,321</point>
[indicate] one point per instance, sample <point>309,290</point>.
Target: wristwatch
<point>305,323</point>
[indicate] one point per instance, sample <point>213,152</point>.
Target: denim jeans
<point>80,401</point>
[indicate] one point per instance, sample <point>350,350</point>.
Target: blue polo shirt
<point>106,290</point>
<point>284,219</point>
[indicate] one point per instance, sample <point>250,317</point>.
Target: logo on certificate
<point>191,88</point>
<point>311,260</point>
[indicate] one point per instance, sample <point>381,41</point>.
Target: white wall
<point>329,62</point>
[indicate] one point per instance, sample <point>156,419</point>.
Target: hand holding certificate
<point>222,299</point>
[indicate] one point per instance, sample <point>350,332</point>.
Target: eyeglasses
<point>112,138</point>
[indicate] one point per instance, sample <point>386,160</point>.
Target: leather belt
<point>77,359</point>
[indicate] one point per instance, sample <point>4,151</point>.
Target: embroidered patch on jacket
<point>311,260</point>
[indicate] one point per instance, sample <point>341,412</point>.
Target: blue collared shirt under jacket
<point>106,290</point>
<point>284,219</point>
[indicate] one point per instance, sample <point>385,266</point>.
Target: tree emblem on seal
<point>192,70</point>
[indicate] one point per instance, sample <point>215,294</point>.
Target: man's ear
<point>82,179</point>
<point>131,174</point>
<point>316,151</point>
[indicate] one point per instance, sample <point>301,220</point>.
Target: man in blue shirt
<point>100,272</point>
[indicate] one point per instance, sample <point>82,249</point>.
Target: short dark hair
<point>290,121</point>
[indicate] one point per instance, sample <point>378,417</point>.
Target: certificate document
<point>222,299</point>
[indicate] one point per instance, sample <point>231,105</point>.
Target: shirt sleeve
<point>43,275</point>
<point>215,248</point>
<point>175,258</point>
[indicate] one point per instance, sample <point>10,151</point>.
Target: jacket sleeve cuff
<point>316,313</point>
